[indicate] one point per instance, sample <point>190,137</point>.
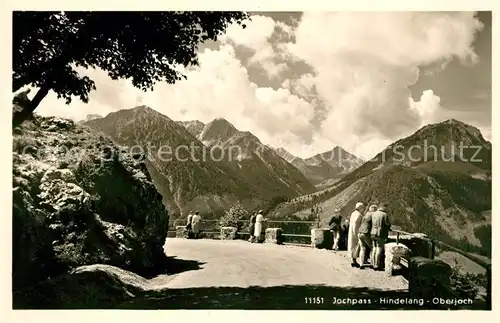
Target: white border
<point>6,312</point>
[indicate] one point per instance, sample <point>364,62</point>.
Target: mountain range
<point>325,168</point>
<point>436,181</point>
<point>322,169</point>
<point>209,173</point>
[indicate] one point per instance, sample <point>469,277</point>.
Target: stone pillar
<point>321,239</point>
<point>428,278</point>
<point>274,235</point>
<point>418,246</point>
<point>228,233</point>
<point>393,254</point>
<point>181,231</point>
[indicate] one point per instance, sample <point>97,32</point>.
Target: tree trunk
<point>20,116</point>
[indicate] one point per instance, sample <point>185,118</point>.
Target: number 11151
<point>314,300</point>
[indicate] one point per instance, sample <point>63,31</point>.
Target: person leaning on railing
<point>189,225</point>
<point>251,227</point>
<point>334,225</point>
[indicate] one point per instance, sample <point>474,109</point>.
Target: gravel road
<point>238,263</point>
<point>214,274</point>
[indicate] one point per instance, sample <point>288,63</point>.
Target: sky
<point>310,81</point>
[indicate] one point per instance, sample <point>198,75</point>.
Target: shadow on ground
<point>313,297</point>
<point>174,265</point>
<point>177,266</point>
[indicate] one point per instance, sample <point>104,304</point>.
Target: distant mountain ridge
<point>89,117</point>
<point>329,165</point>
<point>191,183</point>
<point>255,161</point>
<point>195,127</point>
<point>320,169</point>
<point>448,199</point>
<point>92,116</point>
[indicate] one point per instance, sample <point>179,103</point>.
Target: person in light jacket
<point>352,238</point>
<point>196,225</point>
<point>258,225</point>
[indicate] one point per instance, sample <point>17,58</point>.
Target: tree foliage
<point>145,47</point>
<point>234,217</point>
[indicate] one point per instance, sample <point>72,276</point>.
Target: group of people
<point>366,234</point>
<point>193,225</point>
<point>255,226</point>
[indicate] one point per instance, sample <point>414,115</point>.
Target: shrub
<point>234,217</point>
<point>24,144</point>
<point>466,284</point>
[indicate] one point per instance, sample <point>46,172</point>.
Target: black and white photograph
<point>251,160</point>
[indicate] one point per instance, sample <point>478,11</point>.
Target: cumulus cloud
<point>364,64</point>
<point>355,94</point>
<point>110,96</point>
<point>257,37</point>
<point>428,108</point>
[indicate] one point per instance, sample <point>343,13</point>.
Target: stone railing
<point>228,233</point>
<point>279,232</point>
<point>274,235</point>
<point>321,238</point>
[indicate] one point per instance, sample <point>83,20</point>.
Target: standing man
<point>196,224</point>
<point>352,238</point>
<point>380,231</point>
<point>251,227</point>
<point>364,236</point>
<point>189,224</point>
<point>334,225</point>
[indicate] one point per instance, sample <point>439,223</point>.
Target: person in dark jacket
<point>334,225</point>
<point>381,226</point>
<point>364,236</point>
<point>189,225</point>
<point>251,227</point>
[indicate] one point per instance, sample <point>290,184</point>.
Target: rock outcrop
<point>428,278</point>
<point>80,200</point>
<point>86,287</point>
